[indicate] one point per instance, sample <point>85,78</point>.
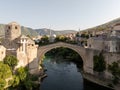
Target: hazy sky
<point>59,14</point>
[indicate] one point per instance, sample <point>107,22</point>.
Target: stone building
<point>109,42</point>
<point>95,43</point>
<point>2,52</point>
<point>20,46</point>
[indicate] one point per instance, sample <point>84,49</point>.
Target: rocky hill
<point>105,26</point>
<point>24,30</point>
<point>46,31</point>
<point>36,32</point>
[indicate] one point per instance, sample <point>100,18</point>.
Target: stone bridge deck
<point>44,49</point>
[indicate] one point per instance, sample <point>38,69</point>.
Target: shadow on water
<point>64,75</point>
<point>92,86</point>
<point>64,72</point>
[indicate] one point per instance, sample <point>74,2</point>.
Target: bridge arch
<point>44,49</point>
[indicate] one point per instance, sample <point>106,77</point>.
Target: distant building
<point>71,36</point>
<point>52,38</point>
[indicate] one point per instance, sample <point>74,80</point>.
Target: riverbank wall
<point>101,81</point>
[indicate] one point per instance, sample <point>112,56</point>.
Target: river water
<point>65,76</point>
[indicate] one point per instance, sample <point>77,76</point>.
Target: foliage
<point>85,36</point>
<point>16,81</point>
<point>65,53</point>
<point>11,61</point>
<point>115,70</point>
<point>22,73</point>
<point>61,38</point>
<point>21,78</point>
<point>28,84</point>
<point>45,39</point>
<point>99,63</point>
<point>10,82</point>
<point>2,83</point>
<point>5,73</point>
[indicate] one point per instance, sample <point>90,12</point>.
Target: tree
<point>16,81</point>
<point>2,84</point>
<point>11,61</point>
<point>24,79</point>
<point>99,63</point>
<point>61,38</point>
<point>114,68</point>
<point>22,73</point>
<point>5,73</point>
<point>45,39</point>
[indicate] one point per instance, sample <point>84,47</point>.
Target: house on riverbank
<point>20,46</point>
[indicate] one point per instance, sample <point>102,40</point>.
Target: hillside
<point>24,31</point>
<point>46,31</point>
<point>36,32</point>
<point>105,26</point>
<point>28,31</point>
<point>2,26</point>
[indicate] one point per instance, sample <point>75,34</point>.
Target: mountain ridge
<point>104,26</point>
<point>45,31</point>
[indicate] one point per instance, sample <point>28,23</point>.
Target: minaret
<point>79,32</point>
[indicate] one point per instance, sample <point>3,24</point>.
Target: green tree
<point>11,61</point>
<point>45,39</point>
<point>2,84</point>
<point>16,81</point>
<point>99,63</point>
<point>61,38</point>
<point>22,73</point>
<point>5,73</point>
<point>114,68</point>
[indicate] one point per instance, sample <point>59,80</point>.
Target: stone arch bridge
<point>86,54</point>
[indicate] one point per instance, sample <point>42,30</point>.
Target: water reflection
<point>64,75</point>
<point>61,76</point>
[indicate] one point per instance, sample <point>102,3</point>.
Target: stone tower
<point>12,31</point>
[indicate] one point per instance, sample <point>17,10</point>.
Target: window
<point>1,52</point>
<point>15,27</point>
<point>8,27</point>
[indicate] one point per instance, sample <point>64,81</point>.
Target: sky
<point>59,14</point>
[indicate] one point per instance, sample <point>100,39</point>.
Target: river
<point>64,75</point>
